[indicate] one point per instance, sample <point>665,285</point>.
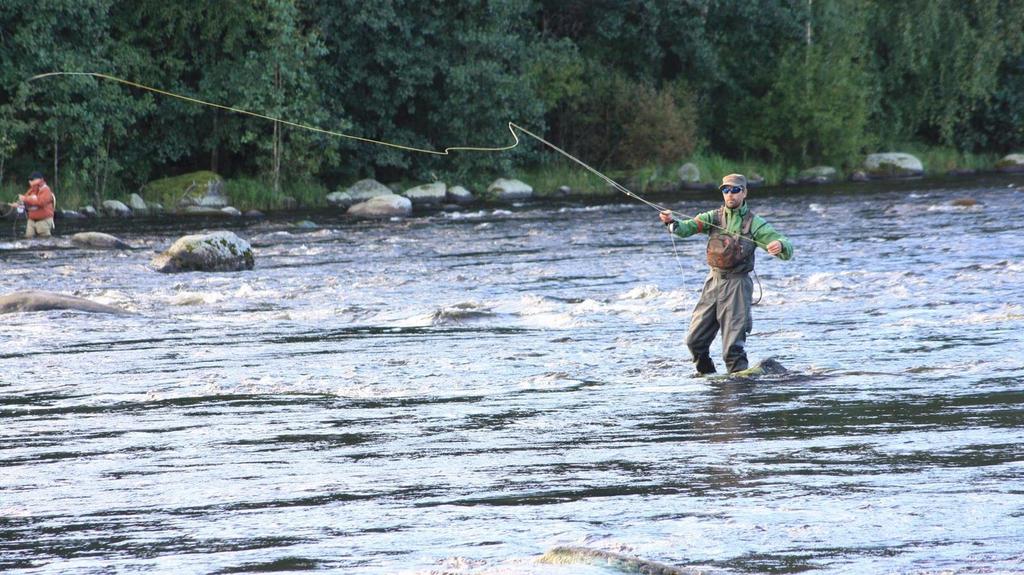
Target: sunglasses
<point>732,189</point>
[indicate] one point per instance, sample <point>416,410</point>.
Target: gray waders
<point>725,303</point>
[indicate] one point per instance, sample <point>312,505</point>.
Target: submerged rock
<point>386,206</point>
<point>569,555</point>
<point>771,366</point>
<point>45,301</point>
<point>213,252</point>
<point>99,240</point>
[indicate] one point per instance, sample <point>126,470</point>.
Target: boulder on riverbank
<point>116,209</point>
<point>432,194</point>
<point>360,191</point>
<point>459,195</point>
<point>191,189</point>
<point>893,165</point>
<point>213,196</point>
<point>689,177</point>
<point>138,205</point>
<point>818,175</point>
<point>384,206</point>
<point>1011,164</point>
<point>68,215</point>
<point>99,240</point>
<point>509,190</point>
<point>213,252</point>
<point>203,211</point>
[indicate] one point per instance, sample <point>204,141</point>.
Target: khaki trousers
<point>41,228</point>
<point>724,304</point>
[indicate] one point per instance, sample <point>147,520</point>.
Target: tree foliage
<point>620,83</point>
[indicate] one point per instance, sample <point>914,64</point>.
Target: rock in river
<point>385,206</point>
<point>213,252</point>
<point>44,301</point>
<point>99,240</point>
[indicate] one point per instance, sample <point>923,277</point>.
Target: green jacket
<point>762,231</point>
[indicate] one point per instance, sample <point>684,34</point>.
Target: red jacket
<point>39,202</point>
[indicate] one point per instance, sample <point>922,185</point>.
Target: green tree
<point>73,121</point>
<point>939,63</point>
<point>429,75</point>
<point>256,56</point>
<point>819,103</point>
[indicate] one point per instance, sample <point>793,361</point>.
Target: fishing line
<point>512,127</point>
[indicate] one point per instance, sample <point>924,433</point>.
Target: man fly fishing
<point>733,234</point>
<point>39,204</point>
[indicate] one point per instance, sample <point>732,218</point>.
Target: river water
<point>458,393</point>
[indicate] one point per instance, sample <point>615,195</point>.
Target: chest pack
<point>728,251</point>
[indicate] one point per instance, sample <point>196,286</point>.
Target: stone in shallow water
<point>99,240</point>
<point>386,206</point>
<point>217,251</point>
<point>24,301</point>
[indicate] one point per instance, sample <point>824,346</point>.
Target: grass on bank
<point>939,161</point>
<point>256,194</point>
<point>244,193</point>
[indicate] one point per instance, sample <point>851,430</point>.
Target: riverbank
<point>559,179</point>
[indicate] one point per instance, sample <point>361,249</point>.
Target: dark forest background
<point>621,84</point>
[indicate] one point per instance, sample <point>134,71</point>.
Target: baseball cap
<point>734,180</point>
